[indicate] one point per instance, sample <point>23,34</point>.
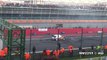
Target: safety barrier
<point>65,30</point>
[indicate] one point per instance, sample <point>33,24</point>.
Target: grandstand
<point>82,25</point>
<point>45,14</point>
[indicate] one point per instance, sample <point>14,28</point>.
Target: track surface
<point>48,43</point>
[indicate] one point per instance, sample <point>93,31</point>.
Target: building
<point>55,15</point>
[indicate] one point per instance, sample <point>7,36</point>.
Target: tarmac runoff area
<point>47,43</point>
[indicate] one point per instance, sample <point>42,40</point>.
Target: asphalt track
<point>48,43</point>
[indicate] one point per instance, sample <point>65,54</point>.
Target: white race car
<point>58,37</point>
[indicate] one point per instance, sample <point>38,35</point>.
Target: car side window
<point>53,35</point>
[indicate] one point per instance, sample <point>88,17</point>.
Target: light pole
<point>33,50</point>
<point>30,40</point>
<point>101,43</point>
<point>81,40</point>
<point>100,33</point>
<point>58,43</point>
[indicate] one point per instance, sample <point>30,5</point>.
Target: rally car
<point>57,37</point>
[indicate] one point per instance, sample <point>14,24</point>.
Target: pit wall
<point>63,30</point>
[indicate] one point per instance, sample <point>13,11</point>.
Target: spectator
<point>2,55</point>
<point>70,48</point>
<point>44,52</point>
<point>27,56</point>
<point>48,52</point>
<point>62,50</point>
<point>6,50</point>
<point>56,53</point>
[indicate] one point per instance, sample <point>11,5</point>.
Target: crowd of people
<point>48,54</point>
<point>28,5</point>
<point>51,55</point>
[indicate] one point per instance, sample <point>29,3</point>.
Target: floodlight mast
<point>15,38</point>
